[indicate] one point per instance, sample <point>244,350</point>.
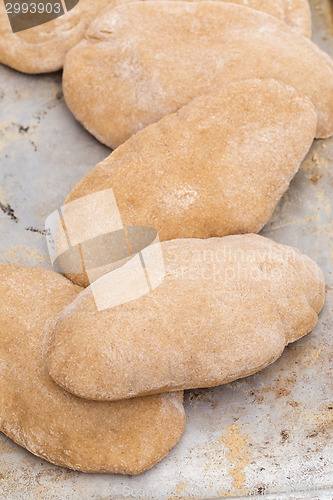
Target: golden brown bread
<point>226,308</point>
<point>43,48</point>
<point>219,166</point>
<point>123,437</point>
<point>124,76</point>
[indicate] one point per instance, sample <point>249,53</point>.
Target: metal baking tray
<point>269,434</point>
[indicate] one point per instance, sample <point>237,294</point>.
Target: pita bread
<point>43,48</point>
<point>226,309</point>
<point>124,76</point>
<point>219,166</point>
<point>125,437</point>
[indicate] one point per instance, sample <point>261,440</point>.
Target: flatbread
<point>124,76</point>
<point>123,437</point>
<point>225,309</point>
<point>43,48</point>
<point>219,166</point>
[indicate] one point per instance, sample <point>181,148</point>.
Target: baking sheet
<point>269,434</point>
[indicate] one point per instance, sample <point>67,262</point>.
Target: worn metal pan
<point>268,434</point>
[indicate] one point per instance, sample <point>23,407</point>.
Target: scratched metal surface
<point>268,434</point>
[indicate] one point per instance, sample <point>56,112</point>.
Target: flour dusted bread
<point>124,437</point>
<point>219,166</point>
<point>126,75</point>
<point>43,48</point>
<point>226,309</point>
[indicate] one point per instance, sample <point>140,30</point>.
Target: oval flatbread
<point>219,166</point>
<point>226,309</point>
<point>43,48</point>
<point>124,76</point>
<point>123,437</point>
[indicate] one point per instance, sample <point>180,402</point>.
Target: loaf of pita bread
<point>43,48</point>
<point>226,308</point>
<point>125,75</point>
<point>124,437</point>
<point>219,166</point>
